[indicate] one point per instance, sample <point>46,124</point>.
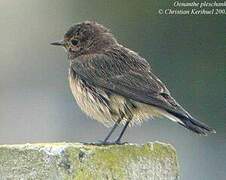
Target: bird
<point>115,85</point>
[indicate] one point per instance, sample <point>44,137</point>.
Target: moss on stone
<point>79,161</point>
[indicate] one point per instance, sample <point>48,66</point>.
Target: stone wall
<point>69,161</point>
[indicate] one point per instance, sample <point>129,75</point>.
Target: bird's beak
<point>58,43</point>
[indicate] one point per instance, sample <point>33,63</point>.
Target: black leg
<point>112,130</point>
<point>122,132</point>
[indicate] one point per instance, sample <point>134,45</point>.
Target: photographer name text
<point>195,8</point>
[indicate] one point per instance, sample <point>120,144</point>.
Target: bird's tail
<point>191,123</point>
<point>196,126</point>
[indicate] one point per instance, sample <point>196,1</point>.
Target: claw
<point>120,143</point>
<point>104,143</point>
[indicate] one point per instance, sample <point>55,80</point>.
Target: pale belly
<point>92,102</point>
<point>107,109</point>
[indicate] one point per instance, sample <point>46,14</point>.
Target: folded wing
<point>132,78</point>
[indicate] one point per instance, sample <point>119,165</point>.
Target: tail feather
<point>197,126</point>
<point>190,123</point>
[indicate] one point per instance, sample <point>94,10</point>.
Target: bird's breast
<point>93,101</point>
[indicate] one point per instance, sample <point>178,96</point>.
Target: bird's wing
<point>127,77</point>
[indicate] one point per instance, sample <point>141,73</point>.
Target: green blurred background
<point>186,52</point>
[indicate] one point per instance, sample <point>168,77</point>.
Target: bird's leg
<point>122,132</point>
<point>112,130</point>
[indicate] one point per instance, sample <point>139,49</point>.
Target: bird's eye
<point>74,42</point>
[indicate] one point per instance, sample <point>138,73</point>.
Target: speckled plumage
<point>111,82</point>
<point>108,108</point>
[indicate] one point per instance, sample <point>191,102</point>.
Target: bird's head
<point>86,38</point>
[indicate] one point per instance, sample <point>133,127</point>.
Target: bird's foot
<point>104,143</point>
<point>112,143</point>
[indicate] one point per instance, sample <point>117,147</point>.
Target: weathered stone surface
<point>67,161</point>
